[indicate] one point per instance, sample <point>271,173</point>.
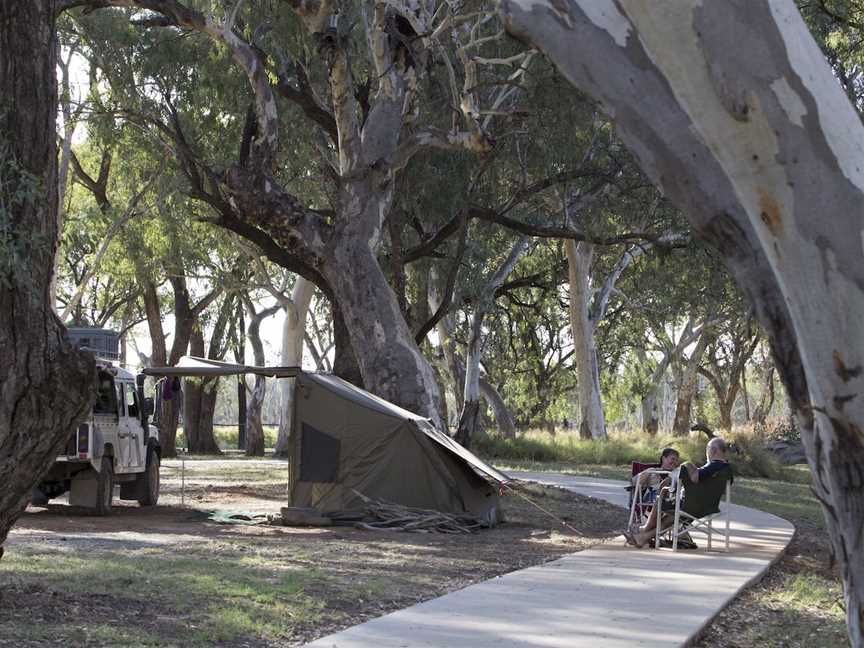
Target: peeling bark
<point>731,108</point>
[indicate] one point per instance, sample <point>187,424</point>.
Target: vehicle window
<point>121,402</point>
<point>132,400</point>
<point>106,401</point>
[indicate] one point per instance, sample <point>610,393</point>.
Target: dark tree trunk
<point>199,403</point>
<point>254,425</point>
<point>650,412</point>
<point>345,363</point>
<point>47,387</point>
<point>687,388</point>
<point>725,407</point>
<point>469,423</point>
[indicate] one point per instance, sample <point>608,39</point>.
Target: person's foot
<point>635,539</point>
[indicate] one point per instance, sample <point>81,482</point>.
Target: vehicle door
<point>138,447</point>
<point>124,452</point>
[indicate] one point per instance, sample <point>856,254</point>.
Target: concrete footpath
<point>610,596</point>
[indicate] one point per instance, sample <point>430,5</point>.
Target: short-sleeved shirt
<point>713,466</point>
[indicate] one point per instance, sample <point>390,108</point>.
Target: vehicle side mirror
<point>148,406</point>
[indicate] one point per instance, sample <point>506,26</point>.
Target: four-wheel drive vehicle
<point>115,445</point>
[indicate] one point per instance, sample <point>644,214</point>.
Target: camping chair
<point>642,494</point>
<point>702,503</point>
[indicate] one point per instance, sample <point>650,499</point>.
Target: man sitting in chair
<point>697,502</point>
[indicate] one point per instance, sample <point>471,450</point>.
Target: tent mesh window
<point>319,456</point>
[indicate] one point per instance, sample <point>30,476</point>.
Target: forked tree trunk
<point>671,354</point>
<point>293,329</point>
<point>254,424</point>
<point>47,387</point>
<point>469,419</point>
<point>592,423</point>
<point>731,108</point>
<point>503,419</point>
<point>687,387</point>
<point>390,363</point>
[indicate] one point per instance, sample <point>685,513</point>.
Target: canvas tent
<point>346,439</point>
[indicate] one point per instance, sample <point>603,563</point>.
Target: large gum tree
<point>46,387</point>
<point>363,93</point>
<point>733,111</point>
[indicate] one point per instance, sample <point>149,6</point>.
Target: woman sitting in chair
<point>716,462</point>
<point>647,485</point>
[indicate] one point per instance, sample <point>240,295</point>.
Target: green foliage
<point>19,191</point>
<point>226,436</point>
<point>622,448</point>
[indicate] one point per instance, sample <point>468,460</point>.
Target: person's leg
<point>651,522</point>
<point>645,534</point>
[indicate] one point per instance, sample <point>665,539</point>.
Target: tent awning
<point>192,366</point>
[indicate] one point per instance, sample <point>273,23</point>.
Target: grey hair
<point>717,444</point>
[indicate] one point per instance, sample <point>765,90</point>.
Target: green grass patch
<point>226,471</point>
<point>227,435</point>
<point>752,459</point>
<point>811,591</point>
<point>222,595</point>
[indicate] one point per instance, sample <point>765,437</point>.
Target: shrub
<point>620,448</point>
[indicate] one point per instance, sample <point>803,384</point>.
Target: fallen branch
<point>387,516</point>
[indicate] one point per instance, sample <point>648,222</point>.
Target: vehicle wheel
<point>150,480</point>
<point>105,487</point>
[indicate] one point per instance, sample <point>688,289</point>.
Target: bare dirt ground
<point>169,575</point>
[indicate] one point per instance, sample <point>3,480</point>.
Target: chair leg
<point>710,534</point>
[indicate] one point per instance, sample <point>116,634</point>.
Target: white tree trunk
<point>293,332</point>
<point>731,108</point>
<point>592,422</point>
<point>444,328</point>
<point>468,420</point>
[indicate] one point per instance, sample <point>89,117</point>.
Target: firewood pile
<point>386,516</point>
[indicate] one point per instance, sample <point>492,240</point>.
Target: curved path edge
<point>609,595</point>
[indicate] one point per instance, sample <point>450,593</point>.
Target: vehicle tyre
<point>150,480</point>
<point>105,487</point>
